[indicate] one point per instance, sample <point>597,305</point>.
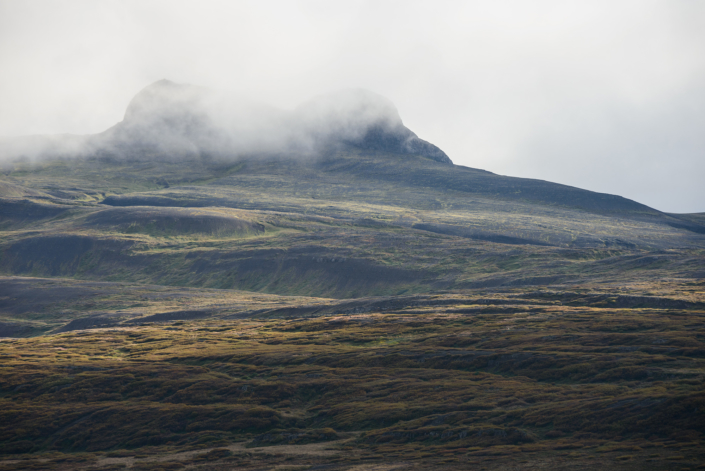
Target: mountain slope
<point>335,198</point>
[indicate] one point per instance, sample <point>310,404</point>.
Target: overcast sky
<point>603,95</point>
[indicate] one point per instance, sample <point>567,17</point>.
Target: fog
<point>167,121</point>
<point>607,96</point>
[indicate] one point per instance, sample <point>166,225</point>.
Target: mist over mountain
<point>167,120</point>
<point>212,271</point>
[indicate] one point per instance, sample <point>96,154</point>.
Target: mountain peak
<point>364,119</point>
<point>168,120</point>
<point>163,95</point>
<point>176,118</point>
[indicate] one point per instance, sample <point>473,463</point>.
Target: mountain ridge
<point>166,120</point>
<point>170,121</point>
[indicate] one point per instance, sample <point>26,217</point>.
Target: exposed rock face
<point>363,119</point>
<point>400,141</point>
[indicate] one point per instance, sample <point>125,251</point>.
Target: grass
<point>290,253</point>
<point>504,375</point>
<point>355,311</point>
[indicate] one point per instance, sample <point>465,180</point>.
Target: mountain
<point>316,181</point>
<point>216,283</point>
<point>172,121</point>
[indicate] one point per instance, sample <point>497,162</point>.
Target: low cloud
<point>172,121</point>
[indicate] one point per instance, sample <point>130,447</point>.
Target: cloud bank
<point>174,121</point>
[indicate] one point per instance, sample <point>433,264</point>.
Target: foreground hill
<point>603,375</point>
<point>212,283</point>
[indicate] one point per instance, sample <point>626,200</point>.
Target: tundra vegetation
<point>366,306</point>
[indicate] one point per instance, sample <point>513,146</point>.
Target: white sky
<point>603,95</point>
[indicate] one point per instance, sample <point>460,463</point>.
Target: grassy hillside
<point>348,225</point>
<point>356,310</point>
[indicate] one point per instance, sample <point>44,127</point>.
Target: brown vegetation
<point>494,378</point>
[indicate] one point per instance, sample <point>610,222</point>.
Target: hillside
<point>394,224</point>
<point>213,283</point>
